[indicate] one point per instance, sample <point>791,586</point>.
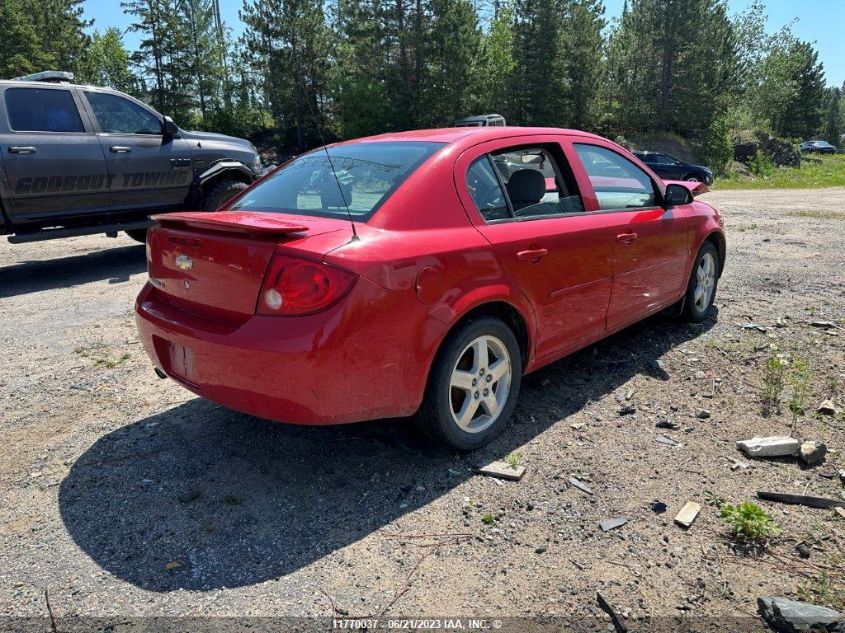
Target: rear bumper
<point>346,364</point>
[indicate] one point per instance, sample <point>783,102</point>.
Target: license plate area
<point>177,360</point>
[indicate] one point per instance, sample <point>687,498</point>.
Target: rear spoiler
<point>250,223</point>
<point>695,188</point>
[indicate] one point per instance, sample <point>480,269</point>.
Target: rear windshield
<point>358,177</point>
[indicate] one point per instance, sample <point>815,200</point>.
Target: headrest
<point>334,194</point>
<point>526,186</point>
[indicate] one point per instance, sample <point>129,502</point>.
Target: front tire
<point>474,385</point>
<point>220,193</point>
<point>701,290</point>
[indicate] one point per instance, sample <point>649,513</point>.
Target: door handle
<point>532,255</point>
<point>626,238</point>
<point>120,149</point>
<point>28,149</point>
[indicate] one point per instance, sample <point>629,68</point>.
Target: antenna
<point>339,187</point>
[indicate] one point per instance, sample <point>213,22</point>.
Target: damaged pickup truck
<point>79,160</point>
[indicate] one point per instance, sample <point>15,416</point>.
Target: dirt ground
<point>124,496</point>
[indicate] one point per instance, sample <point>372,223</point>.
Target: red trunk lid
<point>213,264</point>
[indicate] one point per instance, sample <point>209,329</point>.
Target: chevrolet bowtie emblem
<point>183,262</point>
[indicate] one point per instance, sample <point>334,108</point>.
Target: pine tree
<point>833,118</point>
<point>20,46</point>
<point>107,63</point>
<point>61,30</point>
<point>581,52</point>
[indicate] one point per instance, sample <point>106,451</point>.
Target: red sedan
<point>421,273</point>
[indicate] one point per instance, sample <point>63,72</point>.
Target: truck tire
<point>221,192</point>
<point>139,235</point>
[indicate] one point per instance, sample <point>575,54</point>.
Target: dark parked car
<point>817,147</point>
<point>670,168</point>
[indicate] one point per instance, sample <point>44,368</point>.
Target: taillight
<point>298,286</point>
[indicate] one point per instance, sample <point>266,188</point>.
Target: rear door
<point>559,256</point>
<point>54,165</point>
<point>651,246</point>
<point>147,170</point>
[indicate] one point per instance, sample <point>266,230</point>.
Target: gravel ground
<point>126,497</point>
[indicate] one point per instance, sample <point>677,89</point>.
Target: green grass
<point>829,172</point>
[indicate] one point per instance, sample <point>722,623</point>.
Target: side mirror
<point>677,195</point>
<point>168,128</point>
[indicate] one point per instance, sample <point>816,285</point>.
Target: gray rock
<point>702,414</point>
<point>812,453</point>
<point>628,409</point>
<point>777,446</point>
<point>790,616</point>
<point>827,408</point>
<point>611,524</point>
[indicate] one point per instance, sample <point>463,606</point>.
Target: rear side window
<point>486,191</point>
<point>618,183</point>
<point>358,177</point>
<point>527,182</point>
<point>42,110</point>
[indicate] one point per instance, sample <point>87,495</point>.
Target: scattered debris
<point>658,507</point>
<point>755,326</point>
<point>702,414</point>
<point>540,549</point>
<point>578,425</point>
<point>667,423</point>
<point>813,452</point>
<point>666,441</point>
<point>790,616</point>
<point>688,514</point>
<point>627,409</point>
<point>804,550</point>
<point>612,524</point>
<point>826,325</point>
<point>605,606</point>
<point>827,408</point>
<point>776,446</point>
<point>737,464</point>
<point>580,485</point>
<point>503,470</point>
<point>174,564</point>
<point>801,500</point>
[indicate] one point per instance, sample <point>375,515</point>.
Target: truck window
<point>42,110</point>
<point>117,115</point>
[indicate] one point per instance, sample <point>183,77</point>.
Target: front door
<point>54,166</point>
<point>651,247</point>
<point>523,199</point>
<point>148,170</point>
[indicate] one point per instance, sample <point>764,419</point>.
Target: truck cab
<point>78,159</point>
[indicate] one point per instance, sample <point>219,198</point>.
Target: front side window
<point>117,115</point>
<point>618,183</point>
<point>354,179</point>
<point>42,110</point>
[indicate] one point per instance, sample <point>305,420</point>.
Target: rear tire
<point>220,193</point>
<point>704,279</point>
<point>473,386</point>
<point>139,235</point>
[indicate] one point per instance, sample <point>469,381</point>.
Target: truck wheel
<point>220,193</point>
<point>473,386</point>
<point>139,235</point>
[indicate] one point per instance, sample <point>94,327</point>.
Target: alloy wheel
<point>480,383</point>
<point>705,281</point>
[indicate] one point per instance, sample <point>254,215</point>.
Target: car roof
<point>468,136</point>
